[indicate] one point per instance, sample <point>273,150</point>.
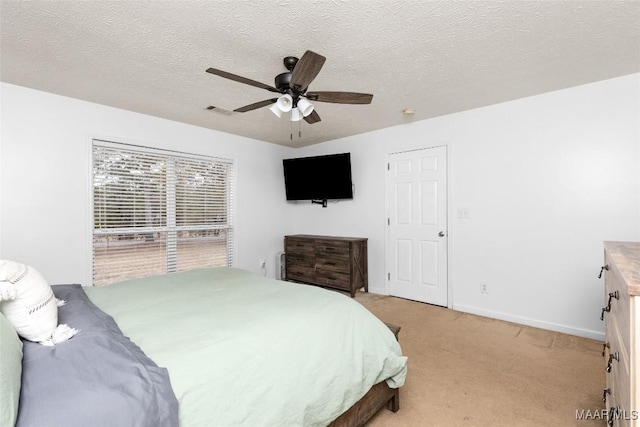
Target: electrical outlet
<point>484,288</point>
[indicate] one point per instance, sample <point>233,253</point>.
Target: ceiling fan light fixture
<point>285,103</point>
<point>275,110</point>
<point>296,115</point>
<point>305,107</point>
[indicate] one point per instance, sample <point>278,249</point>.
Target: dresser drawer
<point>333,264</point>
<point>300,260</point>
<point>617,357</point>
<point>333,278</point>
<point>334,249</point>
<point>618,383</point>
<point>300,273</point>
<point>615,340</point>
<point>619,313</point>
<point>299,245</point>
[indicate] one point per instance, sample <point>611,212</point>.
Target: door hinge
<point>388,276</point>
<point>388,221</point>
<point>388,166</point>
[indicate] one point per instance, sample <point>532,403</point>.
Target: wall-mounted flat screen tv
<point>318,177</point>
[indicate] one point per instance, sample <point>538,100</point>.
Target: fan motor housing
<point>282,81</point>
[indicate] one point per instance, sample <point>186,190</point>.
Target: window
<point>157,212</point>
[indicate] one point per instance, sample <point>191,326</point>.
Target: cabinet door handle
<point>604,394</point>
<point>604,267</point>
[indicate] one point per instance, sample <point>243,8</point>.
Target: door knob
<point>441,234</point>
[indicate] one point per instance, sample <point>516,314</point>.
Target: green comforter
<point>244,350</point>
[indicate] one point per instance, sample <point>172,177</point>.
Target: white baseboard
<point>586,333</point>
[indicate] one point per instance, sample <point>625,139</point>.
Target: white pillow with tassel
<point>29,304</point>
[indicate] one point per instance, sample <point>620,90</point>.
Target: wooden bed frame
<point>378,396</point>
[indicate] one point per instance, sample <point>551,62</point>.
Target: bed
<point>211,347</point>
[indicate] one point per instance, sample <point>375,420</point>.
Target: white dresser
<point>621,314</point>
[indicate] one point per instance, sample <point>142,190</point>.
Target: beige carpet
<point>467,370</point>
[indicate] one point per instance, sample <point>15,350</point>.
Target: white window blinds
<point>158,211</point>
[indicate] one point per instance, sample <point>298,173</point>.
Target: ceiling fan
<point>293,87</point>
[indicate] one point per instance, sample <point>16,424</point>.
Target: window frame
<point>140,148</point>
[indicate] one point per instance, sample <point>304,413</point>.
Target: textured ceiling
<point>435,57</point>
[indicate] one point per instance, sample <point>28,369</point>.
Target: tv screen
<point>318,178</point>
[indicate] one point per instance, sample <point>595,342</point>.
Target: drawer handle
<point>604,267</point>
<point>615,295</point>
<point>604,394</point>
<point>612,414</point>
<point>613,356</point>
<point>605,346</point>
<point>607,309</point>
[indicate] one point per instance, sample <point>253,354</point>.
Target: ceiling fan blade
<point>340,97</point>
<point>312,118</point>
<point>241,79</point>
<point>306,70</point>
<point>255,105</point>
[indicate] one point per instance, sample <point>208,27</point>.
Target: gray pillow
<point>10,372</point>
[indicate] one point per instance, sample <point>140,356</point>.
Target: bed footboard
<point>379,395</point>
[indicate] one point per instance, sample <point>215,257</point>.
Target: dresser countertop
<point>626,256</point>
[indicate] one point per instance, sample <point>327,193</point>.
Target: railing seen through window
<point>157,212</point>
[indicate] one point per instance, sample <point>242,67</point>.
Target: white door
<point>417,225</point>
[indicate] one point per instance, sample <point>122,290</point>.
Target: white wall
<point>44,170</point>
<point>546,180</point>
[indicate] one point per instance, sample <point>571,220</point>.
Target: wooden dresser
<point>335,262</point>
<point>621,314</point>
